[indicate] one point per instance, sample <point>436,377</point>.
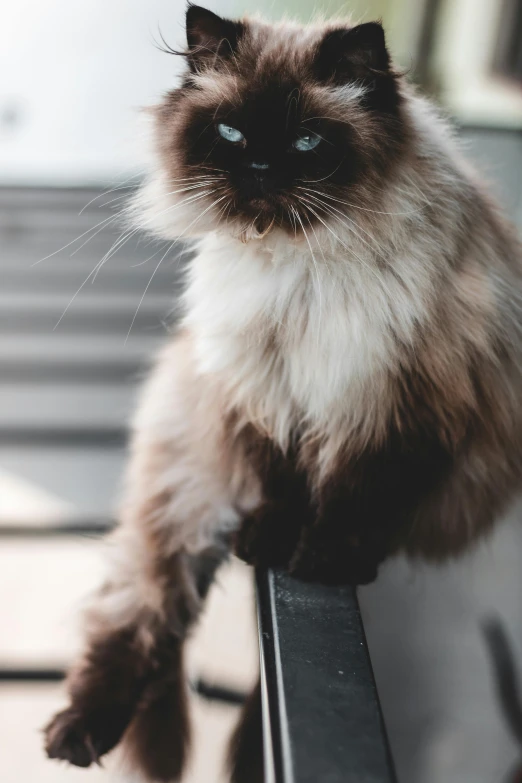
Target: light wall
<point>466,37</point>
<point>75,74</point>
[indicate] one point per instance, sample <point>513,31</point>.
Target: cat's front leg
<point>268,535</point>
<point>366,512</point>
<point>186,487</point>
<point>338,550</point>
<point>130,684</point>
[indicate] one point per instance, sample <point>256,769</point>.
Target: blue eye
<point>230,134</point>
<point>306,142</point>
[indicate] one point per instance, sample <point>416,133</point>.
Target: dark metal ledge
<point>322,718</point>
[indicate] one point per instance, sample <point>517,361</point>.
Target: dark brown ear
<point>353,54</point>
<point>210,36</point>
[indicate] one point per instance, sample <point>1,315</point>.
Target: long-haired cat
<point>346,380</point>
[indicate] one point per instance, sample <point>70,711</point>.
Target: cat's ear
<point>209,36</point>
<point>353,54</point>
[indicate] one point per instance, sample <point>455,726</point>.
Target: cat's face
<point>277,126</point>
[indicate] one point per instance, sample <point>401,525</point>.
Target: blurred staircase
<point>67,390</point>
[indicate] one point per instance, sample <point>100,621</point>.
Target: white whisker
<point>296,212</point>
<point>163,257</point>
<point>77,249</point>
<point>146,261</point>
<point>327,176</point>
<point>375,247</point>
<point>349,249</point>
<point>124,238</point>
<point>121,186</point>
<point>113,200</point>
<point>365,209</point>
<point>101,223</point>
<point>118,244</point>
<point>93,272</point>
<point>316,239</point>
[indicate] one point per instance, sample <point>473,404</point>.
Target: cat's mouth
<point>260,214</point>
<point>263,225</point>
<point>257,228</point>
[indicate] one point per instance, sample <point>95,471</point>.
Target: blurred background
<point>73,144</point>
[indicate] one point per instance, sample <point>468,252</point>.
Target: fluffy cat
<point>346,379</point>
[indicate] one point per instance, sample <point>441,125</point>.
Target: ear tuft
<point>353,54</point>
<point>208,35</point>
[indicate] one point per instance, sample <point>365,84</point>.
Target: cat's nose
<point>254,164</point>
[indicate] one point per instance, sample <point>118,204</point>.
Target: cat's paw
<point>67,737</point>
<point>262,542</point>
<point>82,739</point>
<point>257,549</point>
<point>342,567</point>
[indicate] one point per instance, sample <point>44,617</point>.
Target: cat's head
<point>275,126</point>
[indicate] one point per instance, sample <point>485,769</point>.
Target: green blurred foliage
<point>307,10</point>
<point>391,12</point>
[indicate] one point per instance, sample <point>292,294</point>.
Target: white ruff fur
<point>299,335</point>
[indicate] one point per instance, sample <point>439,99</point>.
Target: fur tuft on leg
<point>158,738</point>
